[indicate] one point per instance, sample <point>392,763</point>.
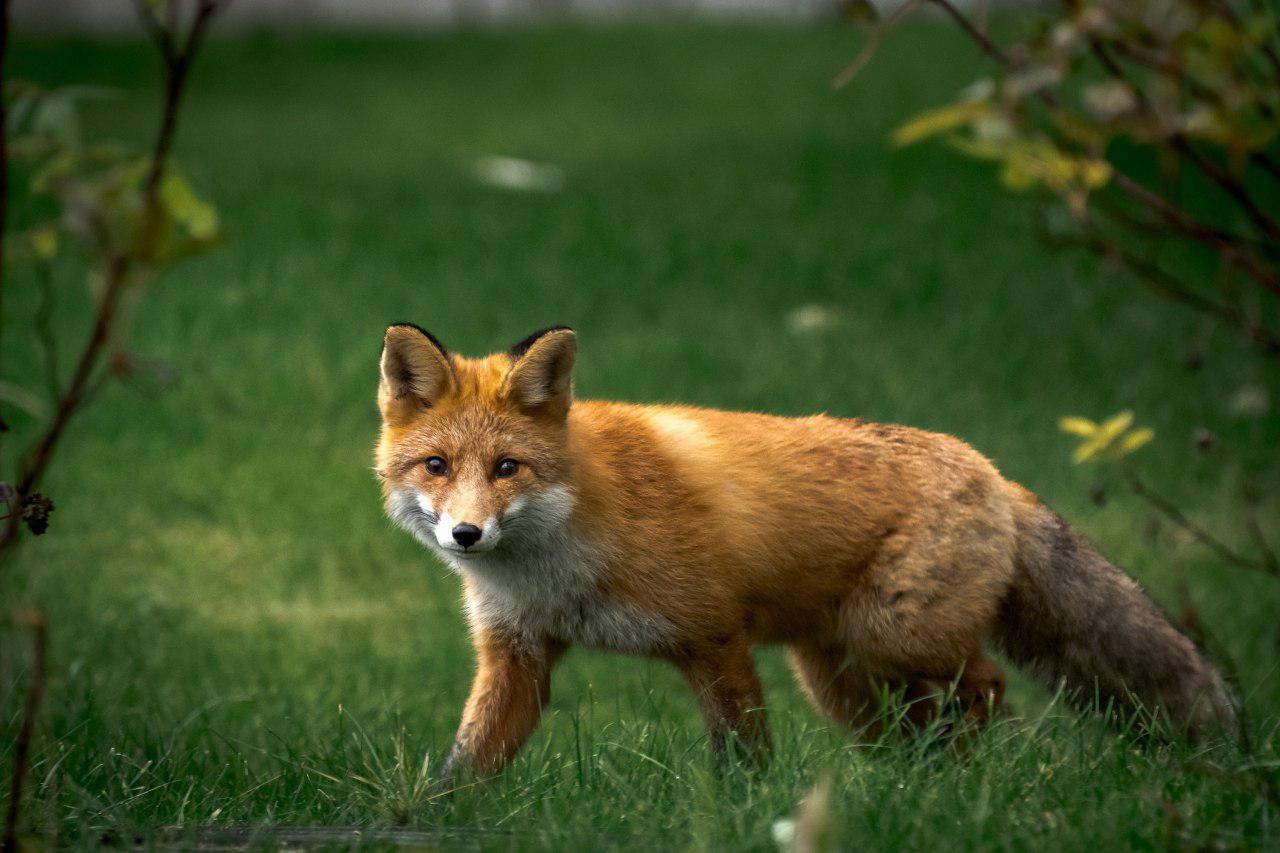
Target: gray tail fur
<point>1073,619</point>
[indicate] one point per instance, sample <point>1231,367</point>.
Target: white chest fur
<point>553,594</point>
<point>543,582</point>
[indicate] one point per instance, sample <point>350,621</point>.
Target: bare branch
<point>1228,184</point>
<point>26,730</point>
<point>156,29</point>
<point>1165,284</point>
<point>874,39</point>
<point>1269,558</point>
<point>4,144</point>
<point>989,47</point>
<point>1170,510</point>
<point>1259,270</point>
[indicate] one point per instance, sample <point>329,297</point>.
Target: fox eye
<point>507,468</point>
<point>436,466</point>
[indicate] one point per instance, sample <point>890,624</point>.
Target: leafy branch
<point>142,216</point>
<point>1103,93</point>
<point>132,217</point>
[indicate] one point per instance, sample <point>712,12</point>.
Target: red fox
<point>879,555</point>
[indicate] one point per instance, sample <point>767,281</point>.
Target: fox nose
<point>466,535</point>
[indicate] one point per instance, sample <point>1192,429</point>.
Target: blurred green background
<point>239,635</point>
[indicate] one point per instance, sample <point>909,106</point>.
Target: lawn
<point>239,636</point>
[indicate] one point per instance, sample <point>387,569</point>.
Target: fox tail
<point>1073,619</point>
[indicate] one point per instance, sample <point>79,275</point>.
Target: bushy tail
<point>1073,618</point>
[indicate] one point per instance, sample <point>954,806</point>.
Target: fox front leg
<point>724,679</point>
<point>511,687</point>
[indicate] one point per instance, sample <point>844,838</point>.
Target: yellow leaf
<point>44,241</point>
<point>1095,173</point>
<point>1116,424</point>
<point>1088,450</point>
<point>984,147</point>
<point>1136,439</point>
<point>1075,425</point>
<point>933,122</point>
<point>199,217</point>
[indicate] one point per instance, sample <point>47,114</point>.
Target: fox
<point>882,557</point>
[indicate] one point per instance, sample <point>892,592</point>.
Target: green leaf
<point>26,400</point>
<point>55,118</point>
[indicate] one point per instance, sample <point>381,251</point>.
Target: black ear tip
<point>434,340</point>
<point>523,347</point>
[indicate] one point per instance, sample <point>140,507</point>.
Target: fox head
<point>473,452</point>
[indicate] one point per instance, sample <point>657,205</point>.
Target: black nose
<point>466,535</point>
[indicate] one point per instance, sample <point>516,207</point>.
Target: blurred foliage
<point>1147,132</point>
<point>97,190</point>
<point>118,216</point>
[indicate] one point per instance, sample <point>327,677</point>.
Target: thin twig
<point>155,29</point>
<point>874,39</point>
<point>26,730</point>
<point>43,323</point>
<point>4,143</point>
<point>1269,558</point>
<point>1228,184</point>
<point>1258,269</point>
<point>989,47</point>
<point>1170,510</point>
<point>1165,284</point>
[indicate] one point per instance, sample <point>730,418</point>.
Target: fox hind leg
<point>980,688</point>
<point>848,695</point>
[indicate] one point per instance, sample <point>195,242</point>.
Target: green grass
<point>240,637</point>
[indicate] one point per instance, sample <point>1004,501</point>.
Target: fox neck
<point>545,583</point>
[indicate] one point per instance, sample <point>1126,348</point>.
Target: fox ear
<point>542,376</point>
<point>415,370</point>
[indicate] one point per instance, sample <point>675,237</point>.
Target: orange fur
<point>878,554</point>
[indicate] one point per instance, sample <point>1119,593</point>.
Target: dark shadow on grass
<point>249,836</point>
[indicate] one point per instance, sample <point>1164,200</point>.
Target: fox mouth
<point>459,551</point>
